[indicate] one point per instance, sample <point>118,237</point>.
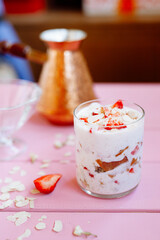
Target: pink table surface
<point>118,218</point>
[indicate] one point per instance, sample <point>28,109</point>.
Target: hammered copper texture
<point>66,82</point>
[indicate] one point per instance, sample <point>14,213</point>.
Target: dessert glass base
<point>109,196</point>
<point>11,148</point>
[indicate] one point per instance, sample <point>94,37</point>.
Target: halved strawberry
<point>118,104</point>
<point>47,183</point>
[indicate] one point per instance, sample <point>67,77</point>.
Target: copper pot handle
<point>23,51</point>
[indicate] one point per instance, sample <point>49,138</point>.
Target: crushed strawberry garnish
<point>46,184</point>
<point>136,149</point>
<point>91,175</point>
<point>85,168</point>
<point>114,125</point>
<point>131,170</point>
<point>90,130</point>
<point>118,104</point>
<point>94,114</point>
<point>84,119</point>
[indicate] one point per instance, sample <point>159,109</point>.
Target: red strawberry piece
<point>116,181</point>
<point>84,119</point>
<point>94,114</point>
<point>91,175</point>
<point>47,183</point>
<point>135,150</point>
<point>90,130</point>
<point>85,168</point>
<point>131,170</point>
<point>118,104</point>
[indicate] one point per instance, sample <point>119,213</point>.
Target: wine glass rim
<point>23,83</point>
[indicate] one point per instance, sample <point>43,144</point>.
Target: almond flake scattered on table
<point>42,218</point>
<point>71,137</point>
<point>19,217</point>
<point>6,204</point>
<point>4,196</point>
<point>58,144</point>
<point>13,186</point>
<point>31,202</point>
<point>26,234</point>
<point>33,157</point>
<point>40,226</point>
<point>64,161</point>
<point>79,232</point>
<point>8,180</point>
<point>70,143</point>
<point>35,191</point>
<point>58,226</point>
<point>14,170</point>
<point>22,203</point>
<point>44,165</point>
<point>68,154</point>
<point>41,173</point>
<point>58,135</point>
<point>46,161</point>
<point>23,173</point>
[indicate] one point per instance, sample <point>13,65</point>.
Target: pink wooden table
<point>136,216</point>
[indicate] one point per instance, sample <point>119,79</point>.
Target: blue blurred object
<point>7,33</point>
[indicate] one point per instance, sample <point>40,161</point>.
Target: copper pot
<point>65,78</point>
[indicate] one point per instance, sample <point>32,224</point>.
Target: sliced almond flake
<point>58,226</point>
<point>26,234</point>
<point>30,198</point>
<point>4,196</point>
<point>31,204</point>
<point>40,226</point>
<point>41,173</point>
<point>8,180</point>
<point>5,189</point>
<point>20,220</point>
<point>58,135</point>
<point>22,213</point>
<point>68,154</point>
<point>20,188</point>
<point>23,173</point>
<point>6,204</point>
<point>14,184</point>
<point>70,143</point>
<point>64,161</point>
<point>79,232</point>
<point>16,168</point>
<point>22,203</point>
<point>58,144</point>
<point>35,191</point>
<point>46,161</point>
<point>12,172</point>
<point>45,165</point>
<point>71,137</point>
<point>11,218</point>
<point>42,218</point>
<point>19,198</point>
<point>33,157</point>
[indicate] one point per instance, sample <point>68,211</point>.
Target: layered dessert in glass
<point>109,143</point>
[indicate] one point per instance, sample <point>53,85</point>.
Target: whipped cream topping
<point>108,117</point>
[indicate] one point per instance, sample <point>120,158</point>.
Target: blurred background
<point>123,43</point>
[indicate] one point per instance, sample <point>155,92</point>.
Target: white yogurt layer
<point>108,148</point>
